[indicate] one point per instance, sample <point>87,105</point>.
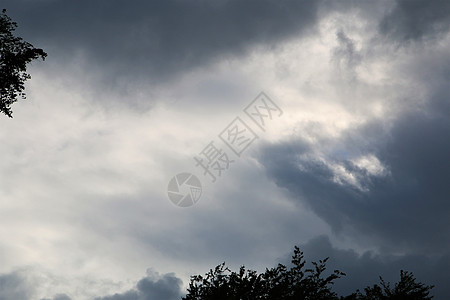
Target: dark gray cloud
<point>346,53</point>
<point>416,19</point>
<point>15,286</point>
<point>119,42</point>
<point>156,39</point>
<point>167,287</point>
<point>406,211</point>
<point>23,285</point>
<point>59,297</point>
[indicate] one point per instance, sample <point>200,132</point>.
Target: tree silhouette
<point>296,282</point>
<point>276,283</point>
<point>15,54</point>
<point>406,288</point>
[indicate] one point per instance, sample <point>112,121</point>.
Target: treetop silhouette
<point>296,282</point>
<point>15,54</point>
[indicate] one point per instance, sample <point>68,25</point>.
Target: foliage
<point>406,288</point>
<point>15,54</point>
<point>276,283</point>
<point>296,282</point>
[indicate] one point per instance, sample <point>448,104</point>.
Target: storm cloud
<point>155,40</point>
<point>416,20</point>
<point>168,286</point>
<point>415,155</point>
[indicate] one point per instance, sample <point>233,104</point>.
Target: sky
<point>352,163</point>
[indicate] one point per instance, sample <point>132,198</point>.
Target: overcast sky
<point>357,167</point>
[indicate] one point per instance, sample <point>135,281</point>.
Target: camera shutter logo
<point>184,189</point>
